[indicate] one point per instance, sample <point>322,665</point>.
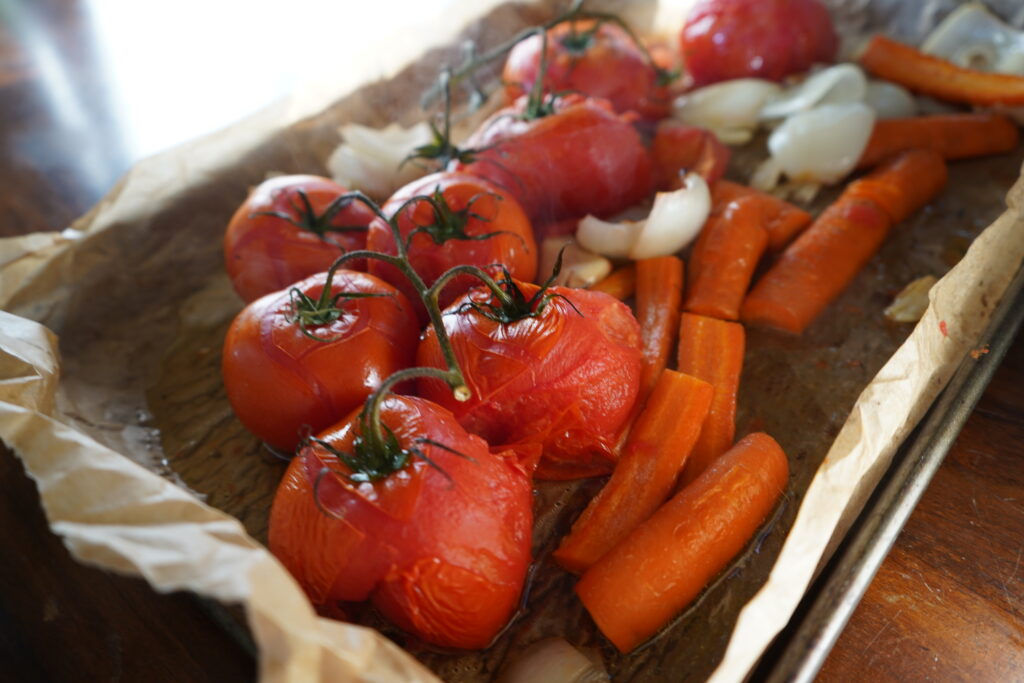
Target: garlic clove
<point>580,268</point>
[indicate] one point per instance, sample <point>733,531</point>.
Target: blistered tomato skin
<point>566,380</point>
<point>488,209</point>
<point>264,253</point>
<point>582,158</point>
<point>771,39</point>
<point>281,382</point>
<point>603,63</point>
<point>441,551</point>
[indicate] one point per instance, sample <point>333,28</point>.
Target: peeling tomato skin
<point>442,555</point>
<point>263,254</point>
<point>566,379</point>
<point>582,158</point>
<point>771,39</point>
<point>279,381</point>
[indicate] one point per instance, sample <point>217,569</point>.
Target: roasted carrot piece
<point>782,220</point>
<point>954,136</point>
<point>712,350</point>
<point>723,260</point>
<point>646,472</point>
<point>908,66</point>
<point>620,283</point>
<point>659,294</point>
<point>645,580</point>
<point>828,255</point>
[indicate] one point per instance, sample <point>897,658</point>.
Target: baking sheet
<point>137,296</point>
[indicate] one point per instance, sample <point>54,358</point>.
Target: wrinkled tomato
<point>566,378</point>
<point>595,59</point>
<point>287,230</point>
<point>474,223</point>
<point>281,380</point>
<point>440,546</point>
<point>772,39</point>
<point>581,158</point>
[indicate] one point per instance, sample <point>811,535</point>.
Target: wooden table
<point>947,605</point>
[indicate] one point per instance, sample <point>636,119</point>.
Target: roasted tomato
<point>598,59</point>
<point>296,360</point>
<point>564,373</point>
<point>467,221</point>
<point>770,39</point>
<point>579,158</point>
<point>678,148</point>
<point>441,546</point>
<point>290,227</point>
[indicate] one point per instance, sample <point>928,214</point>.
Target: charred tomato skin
<point>581,158</point>
<point>441,550</point>
<point>265,253</point>
<point>281,382</point>
<point>600,62</point>
<point>496,212</point>
<point>771,39</point>
<point>566,379</point>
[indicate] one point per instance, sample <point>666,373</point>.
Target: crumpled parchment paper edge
<point>115,514</point>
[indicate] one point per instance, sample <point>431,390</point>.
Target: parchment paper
<point>104,448</point>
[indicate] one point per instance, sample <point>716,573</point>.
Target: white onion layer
<point>838,84</point>
<point>729,106</point>
<point>823,144</point>
<point>890,101</point>
<point>673,222</point>
<point>369,158</point>
<point>974,38</point>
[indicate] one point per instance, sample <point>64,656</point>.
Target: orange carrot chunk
<point>660,441</point>
<point>954,136</point>
<point>712,350</point>
<point>782,220</point>
<point>659,295</point>
<point>639,585</point>
<point>724,258</point>
<point>819,265</point>
<point>908,66</point>
<point>620,283</point>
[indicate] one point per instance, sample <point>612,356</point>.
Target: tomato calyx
<point>450,224</point>
<point>305,217</point>
<point>307,312</point>
<point>473,61</point>
<point>510,304</point>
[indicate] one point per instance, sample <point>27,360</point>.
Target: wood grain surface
<point>948,605</point>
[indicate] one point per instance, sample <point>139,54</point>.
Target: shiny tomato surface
<point>280,381</point>
<point>442,550</point>
<point>566,379</point>
<point>772,39</point>
<point>581,158</point>
<point>264,253</point>
<point>595,59</point>
<point>476,208</point>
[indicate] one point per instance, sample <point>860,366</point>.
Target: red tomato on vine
<point>772,39</point>
<point>571,157</point>
<point>594,58</point>
<point>289,228</point>
<point>563,372</point>
<point>436,532</point>
<point>466,221</point>
<point>304,357</point>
